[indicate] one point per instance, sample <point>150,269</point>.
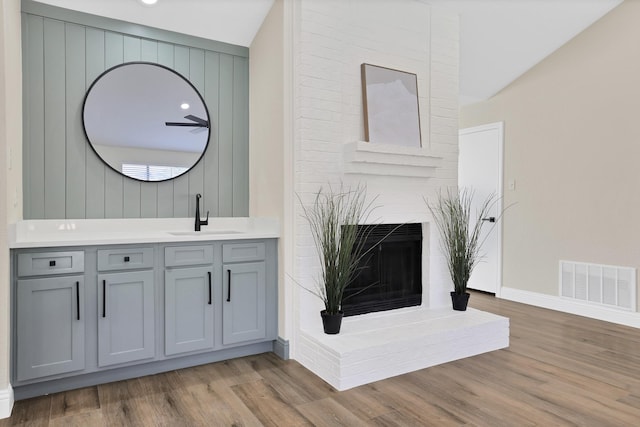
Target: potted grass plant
<point>333,217</point>
<point>460,228</point>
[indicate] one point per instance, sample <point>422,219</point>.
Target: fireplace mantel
<point>367,158</point>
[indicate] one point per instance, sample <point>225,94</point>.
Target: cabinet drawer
<point>241,252</point>
<point>43,263</point>
<point>125,259</point>
<point>178,256</point>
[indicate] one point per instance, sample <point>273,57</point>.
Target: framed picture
<point>391,114</point>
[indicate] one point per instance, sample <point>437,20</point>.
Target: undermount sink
<point>203,233</point>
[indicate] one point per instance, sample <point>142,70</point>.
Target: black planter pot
<point>331,322</point>
<point>460,301</point>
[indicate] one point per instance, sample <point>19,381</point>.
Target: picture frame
<point>391,108</point>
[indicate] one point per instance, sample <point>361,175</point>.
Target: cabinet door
<point>50,326</point>
<point>188,302</point>
<point>125,317</point>
<point>244,306</point>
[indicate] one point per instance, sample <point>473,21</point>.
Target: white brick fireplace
<point>329,40</point>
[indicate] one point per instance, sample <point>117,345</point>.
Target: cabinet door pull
<point>104,298</point>
<point>127,259</point>
<point>228,285</point>
<point>78,298</point>
<point>52,263</point>
<point>209,274</point>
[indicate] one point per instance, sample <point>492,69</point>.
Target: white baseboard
<point>627,318</point>
<point>6,402</point>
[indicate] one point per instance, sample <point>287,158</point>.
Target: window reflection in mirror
<point>148,116</point>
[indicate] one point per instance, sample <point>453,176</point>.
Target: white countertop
<point>83,232</point>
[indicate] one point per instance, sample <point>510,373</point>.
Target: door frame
<point>499,126</point>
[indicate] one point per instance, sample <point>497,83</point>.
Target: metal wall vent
<point>606,285</point>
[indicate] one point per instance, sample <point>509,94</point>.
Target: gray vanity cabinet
<point>244,293</point>
<point>50,319</point>
<point>87,315</point>
<point>189,299</point>
<point>126,314</point>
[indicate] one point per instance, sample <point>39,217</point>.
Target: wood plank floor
<point>560,370</point>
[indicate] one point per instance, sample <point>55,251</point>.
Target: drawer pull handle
<point>52,263</point>
<point>209,274</point>
<point>78,299</point>
<point>228,285</point>
<point>104,298</point>
<point>127,259</point>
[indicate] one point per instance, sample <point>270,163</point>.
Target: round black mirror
<point>146,121</point>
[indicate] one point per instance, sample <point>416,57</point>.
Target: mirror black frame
<point>204,104</point>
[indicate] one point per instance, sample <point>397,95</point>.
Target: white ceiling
<point>230,21</point>
<point>499,39</point>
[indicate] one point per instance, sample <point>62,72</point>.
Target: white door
<point>480,168</point>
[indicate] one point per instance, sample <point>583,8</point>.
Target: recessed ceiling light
<point>149,2</point>
<point>184,106</point>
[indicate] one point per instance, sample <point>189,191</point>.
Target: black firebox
<point>389,275</point>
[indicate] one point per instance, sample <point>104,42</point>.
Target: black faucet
<point>199,221</point>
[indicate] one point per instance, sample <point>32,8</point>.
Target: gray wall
<point>63,52</point>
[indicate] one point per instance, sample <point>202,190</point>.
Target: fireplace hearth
<point>389,276</point>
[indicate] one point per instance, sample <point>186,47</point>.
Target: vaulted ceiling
<point>502,39</point>
<point>230,21</point>
<point>499,39</point>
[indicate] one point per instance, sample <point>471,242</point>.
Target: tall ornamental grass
<point>333,217</point>
<point>460,239</point>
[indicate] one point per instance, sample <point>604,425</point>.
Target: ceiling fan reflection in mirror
<point>196,122</point>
